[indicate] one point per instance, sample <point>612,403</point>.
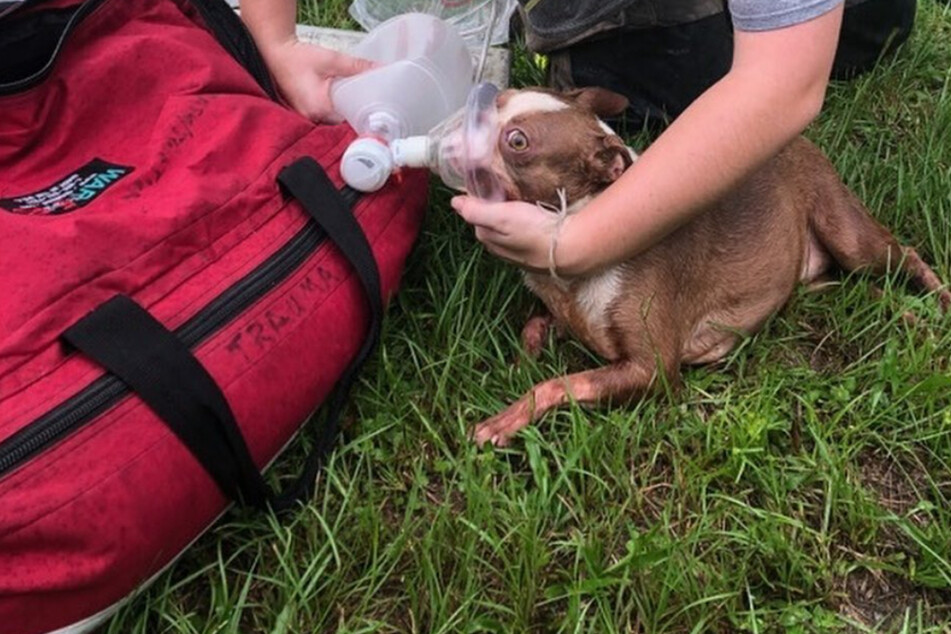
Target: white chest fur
<point>591,297</point>
<point>596,294</point>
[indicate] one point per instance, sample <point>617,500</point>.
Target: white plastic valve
<point>366,165</point>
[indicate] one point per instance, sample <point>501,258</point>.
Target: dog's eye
<point>517,140</point>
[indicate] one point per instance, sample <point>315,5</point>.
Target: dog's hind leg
<point>858,242</point>
<point>621,381</point>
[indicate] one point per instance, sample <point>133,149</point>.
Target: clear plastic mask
<point>461,149</point>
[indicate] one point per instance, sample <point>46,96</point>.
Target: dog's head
<point>556,140</point>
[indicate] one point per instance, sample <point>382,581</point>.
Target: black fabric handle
<point>307,182</point>
<point>124,338</point>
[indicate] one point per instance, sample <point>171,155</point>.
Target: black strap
<point>306,181</point>
<point>125,339</point>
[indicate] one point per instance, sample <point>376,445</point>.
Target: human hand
<point>521,233</point>
<point>304,73</point>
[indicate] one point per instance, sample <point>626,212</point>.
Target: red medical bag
<point>183,280</point>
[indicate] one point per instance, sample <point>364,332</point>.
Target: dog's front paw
<point>535,334</point>
<point>944,301</point>
<point>500,429</point>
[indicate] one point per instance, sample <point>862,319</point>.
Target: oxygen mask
<point>460,150</point>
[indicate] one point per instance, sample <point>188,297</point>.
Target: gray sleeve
<point>763,15</point>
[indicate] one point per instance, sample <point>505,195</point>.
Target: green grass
<point>801,486</point>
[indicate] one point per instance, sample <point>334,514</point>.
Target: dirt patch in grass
<point>654,485</point>
<point>880,599</point>
<point>803,337</point>
<point>819,345</point>
<point>897,486</point>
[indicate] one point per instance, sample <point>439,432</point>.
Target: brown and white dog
<point>690,297</point>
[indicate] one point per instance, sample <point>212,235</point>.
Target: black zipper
<point>106,391</point>
<point>82,12</point>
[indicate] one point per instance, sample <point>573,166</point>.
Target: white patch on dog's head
<point>606,127</point>
<point>529,101</point>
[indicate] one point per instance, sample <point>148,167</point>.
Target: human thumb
<point>343,65</point>
<point>473,210</point>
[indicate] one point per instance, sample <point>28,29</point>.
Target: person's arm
<point>303,72</point>
<point>773,90</point>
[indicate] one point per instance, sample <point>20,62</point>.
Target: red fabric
<point>143,85</point>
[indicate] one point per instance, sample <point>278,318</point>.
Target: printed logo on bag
<point>70,193</point>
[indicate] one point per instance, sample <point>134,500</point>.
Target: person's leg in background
<point>871,29</point>
<point>661,70</point>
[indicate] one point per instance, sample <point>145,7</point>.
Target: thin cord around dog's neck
<point>560,214</point>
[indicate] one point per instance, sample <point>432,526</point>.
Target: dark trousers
<point>662,70</point>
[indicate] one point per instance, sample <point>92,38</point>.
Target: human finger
<point>478,212</point>
<point>497,244</point>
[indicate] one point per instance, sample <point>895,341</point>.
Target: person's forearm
<point>720,139</point>
<point>271,22</point>
<point>732,129</point>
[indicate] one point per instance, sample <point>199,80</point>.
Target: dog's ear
<point>612,159</point>
<point>600,101</point>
